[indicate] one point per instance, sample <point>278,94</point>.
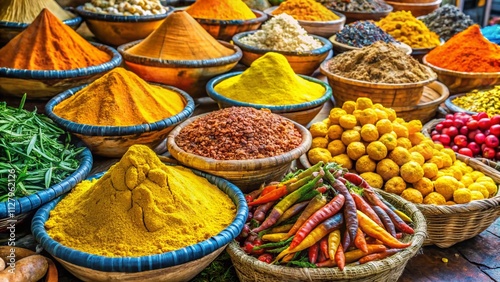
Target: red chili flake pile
<point>239,133</point>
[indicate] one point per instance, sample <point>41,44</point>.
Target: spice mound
<point>25,11</point>
<point>270,80</point>
<point>35,150</point>
<point>447,21</point>
<point>305,10</point>
<point>180,37</point>
<point>365,6</point>
<point>220,10</point>
<point>487,101</point>
<point>467,51</point>
<point>404,27</point>
<point>362,33</point>
<point>120,98</point>
<point>381,63</point>
<point>139,207</point>
<point>282,33</point>
<point>48,44</point>
<point>126,7</point>
<point>239,133</point>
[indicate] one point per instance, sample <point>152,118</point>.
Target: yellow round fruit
<point>363,103</point>
<point>450,153</point>
<point>438,147</point>
<point>316,155</point>
<point>349,106</point>
<point>381,114</point>
<point>455,171</point>
<point>485,179</point>
<point>400,155</point>
<point>436,160</point>
<point>335,114</point>
<point>400,129</point>
<point>434,198</point>
<point>326,121</point>
<point>319,129</point>
<point>336,147</point>
<point>446,185</point>
<point>368,116</point>
<point>373,179</point>
<point>384,126</point>
<point>389,141</point>
<point>365,164</point>
<point>376,150</point>
<point>378,106</point>
<point>348,121</point>
<point>391,113</point>
<point>400,120</point>
<point>369,133</point>
<point>412,195</point>
<point>462,196</point>
<point>416,138</point>
<point>387,168</point>
<point>355,150</point>
<point>424,185</point>
<point>414,126</point>
<point>404,142</point>
<point>320,142</point>
<point>476,174</point>
<point>416,156</point>
<point>490,186</point>
<point>476,195</point>
<point>447,160</point>
<point>395,185</point>
<point>343,160</point>
<point>350,136</point>
<point>466,180</point>
<point>430,170</point>
<point>335,132</point>
<point>479,187</point>
<point>424,149</point>
<point>411,172</point>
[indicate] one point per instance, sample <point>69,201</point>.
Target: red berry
<point>466,152</point>
<point>491,141</point>
<point>484,123</point>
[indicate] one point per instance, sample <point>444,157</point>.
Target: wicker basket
<point>249,268</point>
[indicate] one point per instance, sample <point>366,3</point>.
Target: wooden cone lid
<point>180,37</point>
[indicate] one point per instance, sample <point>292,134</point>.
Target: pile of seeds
<point>447,21</point>
<point>487,101</point>
<point>356,5</point>
<point>362,33</point>
<point>239,133</point>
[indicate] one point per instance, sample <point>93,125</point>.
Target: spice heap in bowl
<point>283,34</point>
<point>360,34</point>
<point>16,15</point>
<point>241,144</point>
<point>380,71</point>
<point>280,90</point>
<point>416,7</point>
<point>119,22</point>
<point>312,16</point>
<point>359,9</point>
<point>404,27</point>
<point>467,61</point>
<point>49,57</point>
<point>180,53</point>
<point>447,21</point>
<point>476,101</point>
<point>141,212</point>
<point>225,18</point>
<point>119,110</point>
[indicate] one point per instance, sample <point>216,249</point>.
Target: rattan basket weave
<point>249,268</point>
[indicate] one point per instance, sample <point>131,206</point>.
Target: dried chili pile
<point>362,33</point>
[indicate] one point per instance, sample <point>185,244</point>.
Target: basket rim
<point>454,108</point>
<point>88,15</point>
<point>72,22</point>
<point>101,130</point>
<point>210,87</point>
<point>443,71</point>
<point>415,5</point>
<point>148,262</point>
<point>442,98</point>
<point>31,202</point>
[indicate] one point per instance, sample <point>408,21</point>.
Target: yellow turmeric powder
<point>404,27</point>
<point>120,98</point>
<point>270,80</point>
<point>305,10</point>
<point>220,10</point>
<point>139,207</point>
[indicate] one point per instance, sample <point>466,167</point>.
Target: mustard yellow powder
<point>140,207</point>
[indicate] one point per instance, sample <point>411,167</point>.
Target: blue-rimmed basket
<point>45,84</point>
<point>179,265</point>
<point>114,141</point>
<point>17,210</point>
<point>301,62</point>
<point>9,30</point>
<point>301,113</point>
<point>117,29</point>
<point>188,75</point>
<point>226,29</point>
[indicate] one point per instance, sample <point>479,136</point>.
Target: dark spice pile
<point>367,6</point>
<point>447,21</point>
<point>362,33</point>
<point>381,63</point>
<point>239,133</point>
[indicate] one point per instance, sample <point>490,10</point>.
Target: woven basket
<point>249,268</point>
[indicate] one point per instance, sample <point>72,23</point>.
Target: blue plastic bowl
<point>150,262</point>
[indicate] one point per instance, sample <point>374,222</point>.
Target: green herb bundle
<point>40,153</point>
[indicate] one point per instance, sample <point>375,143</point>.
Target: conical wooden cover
<point>180,37</point>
